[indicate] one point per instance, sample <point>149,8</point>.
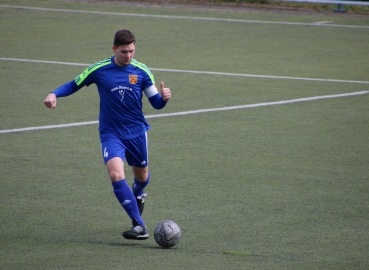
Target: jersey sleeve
<point>66,89</point>
<point>157,102</point>
<point>84,79</point>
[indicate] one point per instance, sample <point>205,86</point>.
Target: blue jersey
<point>121,91</point>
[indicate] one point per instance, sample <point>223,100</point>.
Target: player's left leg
<point>138,189</point>
<point>137,157</point>
<point>141,179</point>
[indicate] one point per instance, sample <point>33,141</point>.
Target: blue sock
<point>128,201</point>
<point>139,186</point>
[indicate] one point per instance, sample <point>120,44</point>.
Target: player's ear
<point>114,48</point>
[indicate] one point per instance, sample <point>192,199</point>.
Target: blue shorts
<point>135,150</point>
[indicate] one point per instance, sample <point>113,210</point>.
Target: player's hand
<point>165,93</point>
<point>50,101</point>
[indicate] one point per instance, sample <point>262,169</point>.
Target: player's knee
<point>141,173</point>
<point>115,176</point>
<point>142,178</point>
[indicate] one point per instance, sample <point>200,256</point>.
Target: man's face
<point>124,54</point>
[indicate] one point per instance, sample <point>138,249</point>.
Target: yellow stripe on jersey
<point>80,78</point>
<point>144,68</point>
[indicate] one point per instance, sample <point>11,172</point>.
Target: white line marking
<point>44,62</point>
<point>197,111</point>
<point>197,72</point>
<point>178,17</point>
<point>48,127</point>
<point>260,76</point>
<point>323,22</point>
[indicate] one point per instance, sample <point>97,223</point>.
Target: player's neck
<point>119,64</point>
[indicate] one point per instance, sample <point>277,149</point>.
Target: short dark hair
<point>124,37</point>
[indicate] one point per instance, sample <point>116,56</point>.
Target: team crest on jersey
<point>133,79</point>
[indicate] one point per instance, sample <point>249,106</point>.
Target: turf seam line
<point>180,17</point>
<point>282,102</point>
<point>196,72</point>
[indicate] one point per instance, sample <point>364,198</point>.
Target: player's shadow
<point>138,245</point>
<point>134,244</point>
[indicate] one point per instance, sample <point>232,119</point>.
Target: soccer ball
<point>167,233</point>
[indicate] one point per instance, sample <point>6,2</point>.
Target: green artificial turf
<point>264,187</point>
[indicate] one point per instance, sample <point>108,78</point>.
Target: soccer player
<point>121,82</point>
